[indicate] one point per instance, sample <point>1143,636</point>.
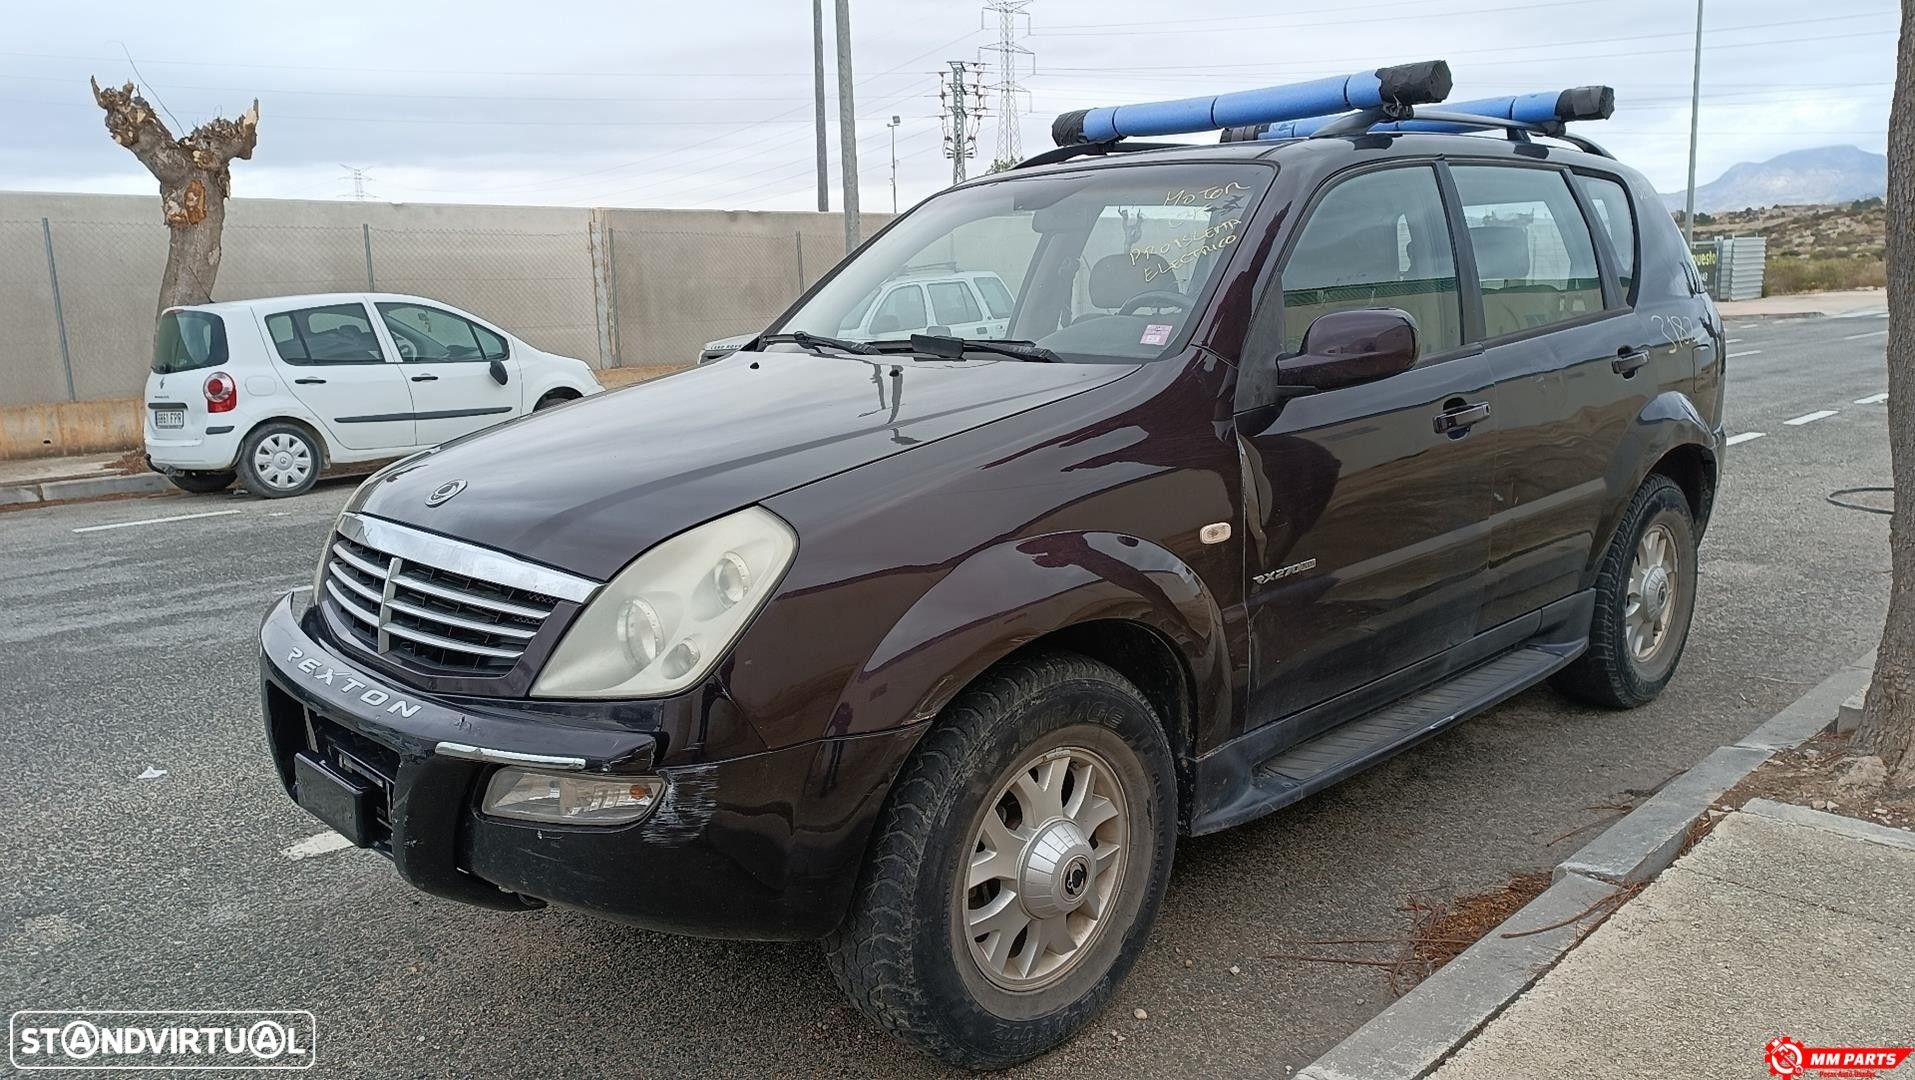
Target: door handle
<point>1456,422</point>
<point>425,378</point>
<point>1628,361</point>
<point>310,381</point>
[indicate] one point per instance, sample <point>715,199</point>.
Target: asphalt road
<point>129,649</point>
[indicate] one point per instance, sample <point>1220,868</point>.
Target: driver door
<point>1368,514</point>
<point>448,362</point>
<point>902,312</point>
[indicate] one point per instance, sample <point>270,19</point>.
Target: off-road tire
<point>1608,673</point>
<point>897,955</point>
<point>202,483</point>
<point>253,481</point>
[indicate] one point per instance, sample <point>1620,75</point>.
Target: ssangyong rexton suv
<point>931,649</point>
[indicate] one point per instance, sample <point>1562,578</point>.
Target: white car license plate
<point>169,418</point>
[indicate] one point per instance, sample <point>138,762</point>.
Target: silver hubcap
<point>1651,603</point>
<point>1045,865</point>
<point>283,461</point>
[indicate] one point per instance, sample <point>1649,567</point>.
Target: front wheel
<point>202,483</point>
<point>1016,868</point>
<point>1645,596</point>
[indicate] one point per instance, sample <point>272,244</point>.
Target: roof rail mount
<point>1420,83</point>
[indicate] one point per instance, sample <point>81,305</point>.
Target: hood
<point>588,486</point>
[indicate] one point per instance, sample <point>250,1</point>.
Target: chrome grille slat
<point>420,585</point>
<point>438,605</point>
<point>448,643</point>
<point>460,621</point>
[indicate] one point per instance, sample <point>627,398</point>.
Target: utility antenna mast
<point>1012,59</point>
<point>963,104</point>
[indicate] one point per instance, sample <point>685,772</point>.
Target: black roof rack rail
<point>1359,123</point>
<point>1094,149</point>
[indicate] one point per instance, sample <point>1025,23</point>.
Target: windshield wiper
<point>954,348</point>
<point>806,340</point>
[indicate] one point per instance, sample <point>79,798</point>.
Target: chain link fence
<point>610,287</point>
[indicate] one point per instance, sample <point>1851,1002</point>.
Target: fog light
<point>570,799</point>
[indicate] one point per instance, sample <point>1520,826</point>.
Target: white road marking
<point>1745,352</point>
<point>1747,436</point>
<point>1871,333</point>
<point>1872,399</point>
<point>323,844</point>
<point>1733,341</point>
<point>1810,418</point>
<point>156,521</point>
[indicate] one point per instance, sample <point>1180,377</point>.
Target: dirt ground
<point>1814,775</point>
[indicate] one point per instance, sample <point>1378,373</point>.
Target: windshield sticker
<point>1155,334</point>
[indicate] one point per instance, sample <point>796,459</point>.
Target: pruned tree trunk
<point>195,178</point>
<point>1888,723</point>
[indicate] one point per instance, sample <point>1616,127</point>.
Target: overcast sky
<point>709,104</point>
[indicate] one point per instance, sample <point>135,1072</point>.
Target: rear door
<point>1368,511</point>
<point>954,305</point>
<point>1574,365</point>
<point>996,300</point>
<point>449,361</point>
<point>333,362</point>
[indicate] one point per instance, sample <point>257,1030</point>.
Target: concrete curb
<point>1791,814</point>
<point>86,487</point>
<point>1408,1040</point>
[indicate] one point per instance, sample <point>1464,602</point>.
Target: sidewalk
<point>27,481</point>
<point>1849,302</point>
<point>1782,921</point>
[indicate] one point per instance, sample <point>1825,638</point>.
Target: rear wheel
<point>279,460</point>
<point>1017,867</point>
<point>202,483</point>
<point>1645,596</point>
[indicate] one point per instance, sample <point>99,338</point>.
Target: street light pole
<point>1695,110</point>
<point>893,125</point>
<point>818,99</point>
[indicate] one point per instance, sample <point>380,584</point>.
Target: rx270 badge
<point>349,686</point>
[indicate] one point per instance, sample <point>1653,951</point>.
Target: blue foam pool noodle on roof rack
<point>1402,84</point>
<point>1542,108</point>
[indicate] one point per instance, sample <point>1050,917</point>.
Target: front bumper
<point>767,845</point>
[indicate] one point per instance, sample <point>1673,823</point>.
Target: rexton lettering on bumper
<point>485,805</point>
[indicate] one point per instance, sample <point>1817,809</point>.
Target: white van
<point>271,391</point>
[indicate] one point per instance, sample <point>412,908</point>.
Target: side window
<point>1534,254</point>
<point>1377,240</point>
<point>952,302</point>
<point>1612,206</point>
<point>430,335</point>
<point>902,310</point>
<point>491,345</point>
<point>339,334</point>
<point>997,299</point>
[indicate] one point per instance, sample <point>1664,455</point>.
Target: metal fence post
<point>365,230</point>
<point>800,239</point>
<point>59,314</point>
<point>611,288</point>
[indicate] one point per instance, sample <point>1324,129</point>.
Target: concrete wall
<point>673,279</point>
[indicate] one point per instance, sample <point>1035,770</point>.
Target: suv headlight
<point>660,624</point>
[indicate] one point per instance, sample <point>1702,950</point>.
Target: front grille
<point>428,617</point>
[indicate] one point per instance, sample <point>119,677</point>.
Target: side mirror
<point>1344,348</point>
<point>499,375</point>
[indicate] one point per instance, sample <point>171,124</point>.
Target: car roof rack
<point>1103,130</point>
<point>1518,115</point>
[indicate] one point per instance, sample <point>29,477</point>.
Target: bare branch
<point>133,124</point>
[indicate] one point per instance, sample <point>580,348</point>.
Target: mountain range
<point>1825,174</point>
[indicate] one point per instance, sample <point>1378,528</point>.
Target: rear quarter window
<point>188,341</point>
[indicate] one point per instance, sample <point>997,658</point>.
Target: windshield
<point>1108,263</point>
<point>188,340</point>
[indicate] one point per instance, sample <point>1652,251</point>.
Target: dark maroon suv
<point>930,644</point>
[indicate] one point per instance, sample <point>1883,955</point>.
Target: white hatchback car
<point>271,391</point>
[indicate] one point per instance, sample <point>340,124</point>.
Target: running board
<point>1349,748</point>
